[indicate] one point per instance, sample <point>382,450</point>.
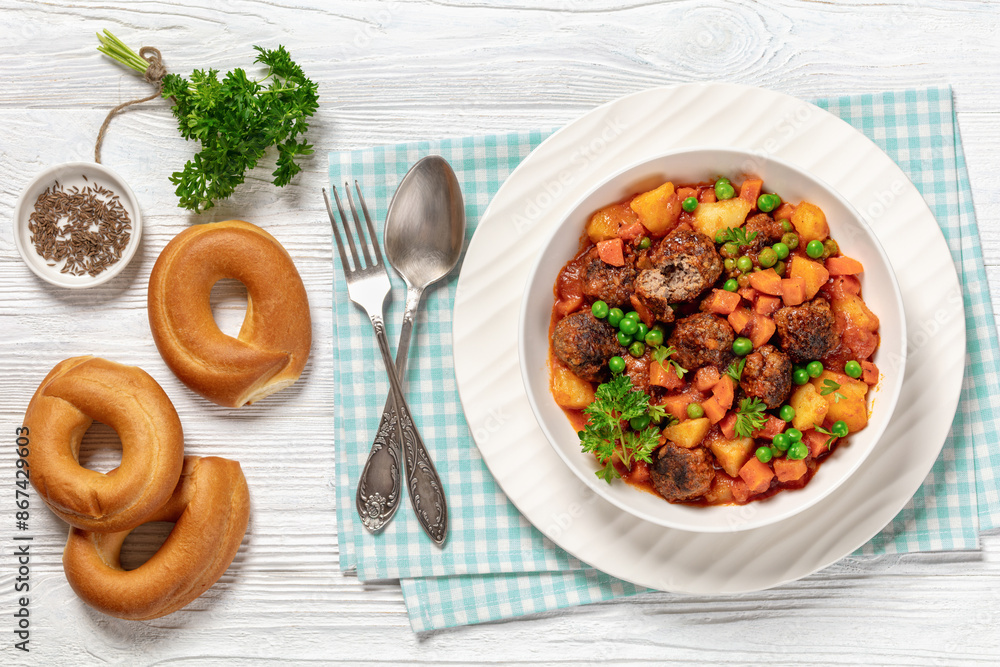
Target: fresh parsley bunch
<point>615,404</point>
<point>236,120</point>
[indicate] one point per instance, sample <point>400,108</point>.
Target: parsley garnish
<point>606,432</point>
<point>737,235</point>
<point>662,354</point>
<point>750,417</point>
<point>829,387</point>
<point>735,369</point>
<point>829,442</point>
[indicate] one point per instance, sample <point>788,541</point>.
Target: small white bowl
<point>68,175</point>
<point>879,288</point>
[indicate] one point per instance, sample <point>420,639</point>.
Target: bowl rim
<point>891,392</point>
<point>23,208</point>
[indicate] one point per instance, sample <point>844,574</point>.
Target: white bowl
<point>68,175</point>
<point>879,288</point>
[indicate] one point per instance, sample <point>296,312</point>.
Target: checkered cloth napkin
<point>495,564</point>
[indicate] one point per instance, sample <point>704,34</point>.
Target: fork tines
<point>370,242</point>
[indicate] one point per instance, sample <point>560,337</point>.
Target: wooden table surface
<point>420,69</point>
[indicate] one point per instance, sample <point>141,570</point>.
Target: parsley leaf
<point>737,235</point>
<point>750,417</point>
<point>606,434</point>
<point>829,387</point>
<point>735,369</point>
<point>662,354</point>
<point>829,441</point>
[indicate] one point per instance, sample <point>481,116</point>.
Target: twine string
<point>154,75</point>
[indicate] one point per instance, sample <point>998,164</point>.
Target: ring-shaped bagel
<point>74,394</point>
<point>210,508</point>
<point>273,344</point>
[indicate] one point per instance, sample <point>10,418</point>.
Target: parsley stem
<point>115,49</point>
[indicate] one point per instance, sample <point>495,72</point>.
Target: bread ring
<point>211,508</point>
<point>273,343</point>
<point>74,394</point>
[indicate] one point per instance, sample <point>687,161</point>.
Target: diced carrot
<point>728,425</point>
<point>787,470</point>
<point>772,427</point>
<point>750,190</point>
<point>567,306</point>
<point>721,302</point>
<point>647,317</point>
<point>739,319</point>
<point>611,252</point>
<point>665,377</point>
<point>813,273</point>
<point>767,281</point>
<point>793,291</point>
<point>747,293</point>
<point>707,195</point>
<point>869,373</point>
<point>633,231</point>
<point>677,404</point>
<point>684,193</point>
<point>705,378</point>
<point>843,266</point>
<point>784,212</point>
<point>767,305</point>
<point>713,410</point>
<point>741,493</point>
<point>816,442</point>
<point>757,475</point>
<point>723,391</point>
<point>763,329</point>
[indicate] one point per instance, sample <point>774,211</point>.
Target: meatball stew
<point>710,343</point>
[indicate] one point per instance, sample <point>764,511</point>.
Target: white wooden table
<point>411,70</point>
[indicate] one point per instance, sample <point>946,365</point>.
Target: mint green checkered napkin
<point>495,564</point>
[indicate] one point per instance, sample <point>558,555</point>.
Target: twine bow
<point>154,75</point>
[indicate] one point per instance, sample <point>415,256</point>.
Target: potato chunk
<point>810,223</point>
<point>810,407</point>
<point>607,222</point>
<point>813,273</point>
<point>658,209</point>
<point>569,390</point>
<point>851,406</point>
<point>713,217</point>
<point>688,433</point>
<point>731,454</point>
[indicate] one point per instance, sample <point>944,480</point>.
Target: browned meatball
<point>680,474</point>
<point>768,376</point>
<point>585,343</point>
<point>807,332</point>
<point>702,339</point>
<point>611,284</point>
<point>683,266</point>
<point>768,230</point>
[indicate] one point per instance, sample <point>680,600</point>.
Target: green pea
<point>775,452</point>
<point>615,316</point>
<point>632,315</point>
<point>790,239</point>
<point>765,203</point>
<point>831,247</point>
<point>787,413</point>
<point>743,280</point>
<point>639,423</point>
<point>690,204</point>
<point>637,349</point>
<point>840,429</point>
<point>800,376</point>
<point>616,364</point>
<point>798,451</point>
<point>695,411</point>
<point>644,243</point>
<point>640,334</point>
<point>724,190</point>
<point>744,264</point>
<point>730,249</point>
<point>794,435</point>
<point>814,249</point>
<point>742,346</point>
<point>731,285</point>
<point>628,326</point>
<point>720,236</point>
<point>599,309</point>
<point>764,454</point>
<point>853,369</point>
<point>814,369</point>
<point>624,339</point>
<point>780,249</point>
<point>767,258</point>
<point>653,338</point>
<point>729,263</point>
<point>780,267</point>
<point>781,442</point>
<point>786,226</point>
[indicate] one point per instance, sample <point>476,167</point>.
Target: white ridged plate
<point>539,194</point>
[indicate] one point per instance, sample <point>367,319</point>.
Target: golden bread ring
<point>210,508</point>
<point>273,344</point>
<point>74,394</point>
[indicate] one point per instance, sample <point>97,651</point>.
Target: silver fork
<point>368,286</point>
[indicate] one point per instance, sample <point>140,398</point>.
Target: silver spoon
<point>424,233</point>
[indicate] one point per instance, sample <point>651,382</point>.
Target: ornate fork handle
<point>423,483</point>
